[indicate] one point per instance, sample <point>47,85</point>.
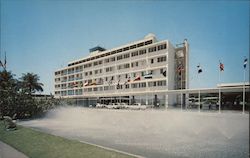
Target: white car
<point>98,105</point>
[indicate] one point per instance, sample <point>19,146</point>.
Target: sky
<point>41,36</point>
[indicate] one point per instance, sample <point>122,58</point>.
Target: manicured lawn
<point>36,144</point>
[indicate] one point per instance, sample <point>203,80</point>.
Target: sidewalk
<point>7,151</point>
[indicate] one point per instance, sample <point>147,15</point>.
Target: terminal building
<point>138,72</point>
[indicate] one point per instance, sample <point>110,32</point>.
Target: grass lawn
<point>36,144</point>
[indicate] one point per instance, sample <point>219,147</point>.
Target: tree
<point>8,93</point>
<point>16,96</point>
<point>30,83</point>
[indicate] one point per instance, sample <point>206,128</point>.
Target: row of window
<point>120,57</point>
<point>69,71</point>
<point>136,53</point>
<point>114,52</point>
<point>125,66</point>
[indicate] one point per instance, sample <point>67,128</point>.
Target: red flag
<point>221,67</point>
<point>138,78</point>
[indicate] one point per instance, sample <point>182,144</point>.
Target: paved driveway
<point>153,133</point>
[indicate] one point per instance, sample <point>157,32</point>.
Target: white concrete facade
<point>139,70</point>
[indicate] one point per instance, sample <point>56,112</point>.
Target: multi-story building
<point>138,72</point>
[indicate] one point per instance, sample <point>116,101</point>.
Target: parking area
<point>153,133</point>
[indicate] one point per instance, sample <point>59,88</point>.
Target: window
<point>163,46</point>
<point>148,42</point>
<point>96,71</point>
<point>141,52</point>
<point>119,57</point>
<point>113,52</point>
<point>90,73</point>
<point>161,83</point>
<point>140,44</point>
<point>161,71</point>
<point>135,64</point>
<point>126,66</point>
<point>126,48</point>
<point>95,63</point>
<point>119,67</point>
<point>135,85</point>
<point>133,46</point>
<point>126,86</point>
<point>106,60</point>
<point>120,50</point>
<point>112,59</point>
<point>87,65</point>
<point>152,49</point>
<point>126,56</point>
<point>100,71</point>
<point>107,69</point>
<point>152,61</point>
<point>142,73</point>
<point>142,85</point>
<point>161,59</point>
<point>86,73</point>
<point>152,84</point>
<point>134,53</point>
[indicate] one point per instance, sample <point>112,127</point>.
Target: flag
<point>128,80</point>
<point>80,84</point>
<point>110,81</point>
<point>245,63</point>
<point>221,67</point>
<point>138,78</point>
<point>86,83</point>
<point>93,83</point>
<point>199,69</point>
<point>148,76</point>
<point>118,84</point>
<point>164,73</point>
<point>71,85</point>
<point>75,84</point>
<point>180,68</point>
<point>5,61</point>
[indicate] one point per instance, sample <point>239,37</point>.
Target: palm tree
<point>6,80</point>
<point>31,83</point>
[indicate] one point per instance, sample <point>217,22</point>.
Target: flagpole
<point>219,91</point>
<point>199,94</point>
<point>181,90</point>
<point>244,93</point>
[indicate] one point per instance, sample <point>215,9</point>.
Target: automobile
<point>98,105</point>
<point>123,106</point>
